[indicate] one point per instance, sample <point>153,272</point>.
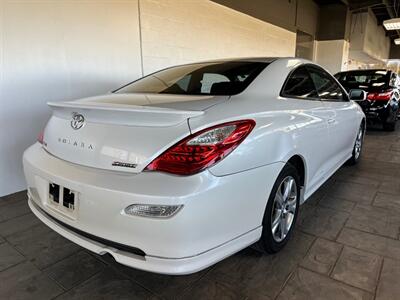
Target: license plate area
<point>54,192</point>
<point>63,200</point>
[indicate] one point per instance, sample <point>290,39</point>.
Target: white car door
<point>342,120</point>
<point>312,132</point>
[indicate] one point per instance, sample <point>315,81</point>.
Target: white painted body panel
<point>121,127</point>
<point>223,206</point>
<point>204,223</point>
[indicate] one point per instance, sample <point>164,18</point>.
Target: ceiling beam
<point>356,5</point>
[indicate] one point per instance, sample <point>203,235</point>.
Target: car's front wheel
<point>281,212</point>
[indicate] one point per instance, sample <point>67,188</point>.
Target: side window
<point>299,85</point>
<point>183,83</point>
<point>327,88</point>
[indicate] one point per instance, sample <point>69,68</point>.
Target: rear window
<point>222,78</point>
<point>370,80</point>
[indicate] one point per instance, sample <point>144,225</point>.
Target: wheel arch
<point>298,162</point>
<point>364,122</point>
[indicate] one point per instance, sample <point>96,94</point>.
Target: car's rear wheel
<point>281,212</point>
<point>390,123</point>
<point>389,126</point>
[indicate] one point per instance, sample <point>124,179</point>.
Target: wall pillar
<point>333,55</point>
<point>332,46</point>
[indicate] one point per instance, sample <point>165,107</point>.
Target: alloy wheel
<point>284,209</point>
<point>358,144</point>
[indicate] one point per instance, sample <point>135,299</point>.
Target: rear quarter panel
<point>272,138</point>
<point>281,131</point>
<point>283,127</point>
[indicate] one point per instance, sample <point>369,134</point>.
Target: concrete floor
<point>346,246</point>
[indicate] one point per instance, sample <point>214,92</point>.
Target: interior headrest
<point>222,88</point>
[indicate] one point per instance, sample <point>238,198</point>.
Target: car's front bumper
<point>220,215</point>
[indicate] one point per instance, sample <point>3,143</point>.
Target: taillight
<point>386,96</point>
<point>41,137</point>
<point>202,149</point>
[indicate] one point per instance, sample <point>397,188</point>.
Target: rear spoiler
<point>120,114</point>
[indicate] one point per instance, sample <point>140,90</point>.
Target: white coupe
<point>184,167</point>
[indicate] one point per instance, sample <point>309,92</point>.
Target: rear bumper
<point>220,215</point>
<point>151,263</point>
<point>375,113</point>
<point>379,114</point>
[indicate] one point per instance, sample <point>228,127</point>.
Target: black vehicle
<point>382,87</point>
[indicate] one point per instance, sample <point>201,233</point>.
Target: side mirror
<point>357,95</point>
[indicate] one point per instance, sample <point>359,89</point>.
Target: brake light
<point>202,149</point>
<point>41,137</point>
<point>386,96</point>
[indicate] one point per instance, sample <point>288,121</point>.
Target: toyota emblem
<point>77,121</point>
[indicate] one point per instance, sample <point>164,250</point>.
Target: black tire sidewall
<point>390,123</point>
<point>389,126</point>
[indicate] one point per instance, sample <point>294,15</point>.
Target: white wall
<point>175,31</point>
<point>57,50</point>
<point>63,49</point>
<point>333,55</point>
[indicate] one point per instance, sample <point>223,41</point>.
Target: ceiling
<point>383,10</point>
<point>322,2</point>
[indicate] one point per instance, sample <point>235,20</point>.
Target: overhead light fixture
<point>392,24</point>
<point>397,41</point>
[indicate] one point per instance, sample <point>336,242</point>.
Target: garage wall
<point>307,16</point>
<point>368,41</point>
<point>66,49</point>
<point>57,50</point>
<point>333,55</point>
<point>377,44</point>
<point>176,32</point>
<point>292,15</point>
<point>278,12</point>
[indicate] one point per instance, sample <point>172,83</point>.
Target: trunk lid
<point>122,132</point>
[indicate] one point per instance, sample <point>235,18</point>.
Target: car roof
<point>267,60</point>
<point>363,70</point>
<point>240,59</point>
<point>264,59</point>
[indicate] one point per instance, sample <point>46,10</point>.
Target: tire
<point>390,123</point>
<point>273,241</point>
<point>389,126</point>
<point>357,148</point>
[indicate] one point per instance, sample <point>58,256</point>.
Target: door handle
<point>331,121</point>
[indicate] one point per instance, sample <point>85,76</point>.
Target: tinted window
<point>364,79</point>
<point>299,85</point>
<point>327,87</point>
<point>222,78</point>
